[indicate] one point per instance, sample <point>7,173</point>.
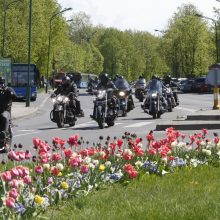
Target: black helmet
<point>66,80</point>
<point>154,77</point>
<point>2,81</point>
<point>104,78</point>
<point>168,78</point>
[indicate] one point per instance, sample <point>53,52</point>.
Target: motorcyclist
<point>155,78</point>
<point>69,88</point>
<point>104,84</point>
<point>7,95</point>
<point>173,85</point>
<point>130,103</point>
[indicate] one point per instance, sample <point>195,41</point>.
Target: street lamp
<point>216,32</point>
<point>162,32</point>
<point>216,89</point>
<point>6,7</point>
<point>29,54</point>
<point>48,54</point>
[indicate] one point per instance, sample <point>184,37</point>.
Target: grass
<point>186,194</point>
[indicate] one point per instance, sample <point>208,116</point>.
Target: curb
<point>189,125</point>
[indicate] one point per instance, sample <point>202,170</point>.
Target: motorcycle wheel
<point>110,123</point>
<point>154,115</point>
<point>141,98</point>
<point>170,107</point>
<point>59,119</point>
<point>100,118</point>
<point>72,123</point>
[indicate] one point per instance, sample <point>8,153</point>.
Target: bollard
<point>216,92</point>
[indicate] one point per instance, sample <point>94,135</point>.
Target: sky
<point>140,15</point>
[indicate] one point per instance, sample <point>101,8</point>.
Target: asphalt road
<point>40,126</point>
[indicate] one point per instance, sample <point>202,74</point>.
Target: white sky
<point>143,15</point>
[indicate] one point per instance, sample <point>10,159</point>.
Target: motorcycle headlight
<point>154,95</point>
<point>53,100</point>
<point>66,99</point>
<point>60,98</point>
<point>121,93</point>
<point>101,94</point>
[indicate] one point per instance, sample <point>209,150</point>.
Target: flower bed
<point>69,169</point>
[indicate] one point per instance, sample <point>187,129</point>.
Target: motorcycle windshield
<point>122,84</point>
<point>154,86</point>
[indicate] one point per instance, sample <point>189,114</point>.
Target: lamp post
<point>29,54</point>
<point>162,32</point>
<point>48,53</point>
<point>216,89</point>
<point>6,7</point>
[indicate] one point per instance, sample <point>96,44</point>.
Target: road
<point>39,125</point>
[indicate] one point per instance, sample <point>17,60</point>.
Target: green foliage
<point>186,47</point>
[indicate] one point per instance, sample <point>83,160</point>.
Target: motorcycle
<point>104,108</point>
<point>168,94</point>
<point>124,97</point>
<point>140,91</point>
<point>62,113</point>
<point>6,139</point>
<point>91,86</point>
<point>154,104</point>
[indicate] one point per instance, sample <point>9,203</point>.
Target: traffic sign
<point>5,69</point>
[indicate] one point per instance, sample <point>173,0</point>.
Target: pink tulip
<point>38,169</point>
<point>10,202</point>
<point>84,169</point>
<point>120,142</point>
<point>13,193</point>
<point>27,155</point>
<point>56,157</point>
<point>68,152</point>
<point>6,176</point>
<point>133,174</point>
<point>13,183</point>
<point>14,172</point>
<point>27,180</point>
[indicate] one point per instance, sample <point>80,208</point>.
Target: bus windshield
<point>20,79</point>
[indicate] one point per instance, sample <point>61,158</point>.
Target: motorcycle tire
<point>141,98</point>
<point>154,115</point>
<point>170,107</point>
<point>110,123</point>
<point>72,123</point>
<point>59,117</point>
<point>100,118</point>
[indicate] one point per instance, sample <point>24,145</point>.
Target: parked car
<point>187,85</point>
<point>200,85</point>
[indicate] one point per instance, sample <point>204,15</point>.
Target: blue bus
<point>19,80</point>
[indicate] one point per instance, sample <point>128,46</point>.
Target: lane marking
<point>18,135</point>
<point>140,124</point>
<point>186,109</point>
<point>26,130</point>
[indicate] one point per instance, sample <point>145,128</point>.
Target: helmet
<point>2,82</point>
<point>154,77</point>
<point>66,80</point>
<point>104,78</point>
<point>168,78</point>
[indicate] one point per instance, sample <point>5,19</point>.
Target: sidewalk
<point>19,110</point>
<point>198,120</point>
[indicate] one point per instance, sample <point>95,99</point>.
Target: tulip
<point>39,200</point>
<point>39,169</point>
<point>64,185</point>
<point>13,193</point>
<point>102,167</point>
<point>10,202</point>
